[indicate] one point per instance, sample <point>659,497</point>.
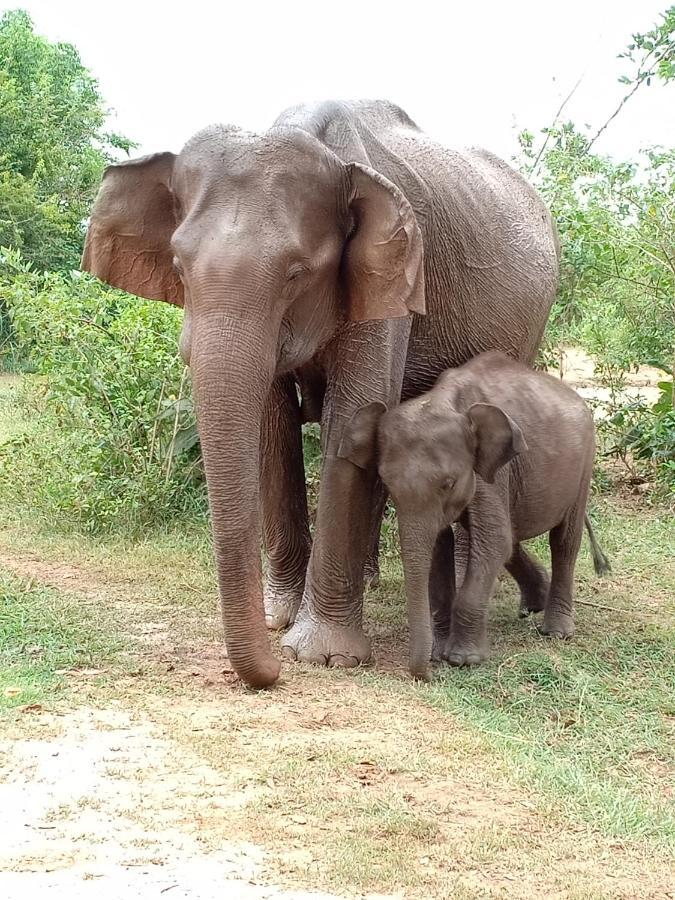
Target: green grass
<point>11,416</point>
<point>590,728</point>
<point>590,723</point>
<point>44,634</point>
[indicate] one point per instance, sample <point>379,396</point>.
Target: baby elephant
<point>507,453</point>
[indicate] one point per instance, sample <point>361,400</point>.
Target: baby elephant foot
<point>465,652</point>
<point>533,598</point>
<point>326,644</point>
<point>281,606</point>
<point>531,603</point>
<point>557,625</point>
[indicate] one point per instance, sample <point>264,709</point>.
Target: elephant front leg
<point>328,628</point>
<point>488,548</point>
<point>284,504</point>
<point>367,362</point>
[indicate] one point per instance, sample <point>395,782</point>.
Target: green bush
<point>643,436</point>
<point>110,439</point>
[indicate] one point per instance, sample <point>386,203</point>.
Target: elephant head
<point>270,243</point>
<point>428,454</point>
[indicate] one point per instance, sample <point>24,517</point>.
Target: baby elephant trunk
<point>417,543</point>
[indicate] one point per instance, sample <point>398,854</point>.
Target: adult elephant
<point>300,254</point>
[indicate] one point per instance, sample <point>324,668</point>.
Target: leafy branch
<point>657,61</point>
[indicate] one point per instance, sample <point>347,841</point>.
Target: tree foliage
<point>617,228</point>
<point>52,145</point>
<point>616,222</point>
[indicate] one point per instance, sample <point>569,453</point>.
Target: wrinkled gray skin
<point>508,453</point>
<point>299,255</point>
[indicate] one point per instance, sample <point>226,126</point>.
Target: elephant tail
<point>600,561</point>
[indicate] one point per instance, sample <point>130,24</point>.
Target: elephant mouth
<point>286,352</point>
<point>293,351</point>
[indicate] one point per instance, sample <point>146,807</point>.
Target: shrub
<point>111,439</point>
<point>643,436</point>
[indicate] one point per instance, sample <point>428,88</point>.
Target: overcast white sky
<point>468,72</point>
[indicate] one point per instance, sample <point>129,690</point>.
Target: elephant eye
<point>448,485</point>
<point>296,271</point>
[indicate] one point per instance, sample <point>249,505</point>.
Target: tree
<point>52,145</point>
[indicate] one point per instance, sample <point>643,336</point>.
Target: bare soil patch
<point>107,805</point>
<point>578,368</point>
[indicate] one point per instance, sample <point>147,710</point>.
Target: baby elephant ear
<point>359,438</point>
<point>498,439</point>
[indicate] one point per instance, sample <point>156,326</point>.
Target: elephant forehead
<point>427,445</point>
<point>422,424</point>
<point>286,162</point>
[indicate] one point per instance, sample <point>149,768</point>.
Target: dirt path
<point>578,370</point>
<point>71,803</point>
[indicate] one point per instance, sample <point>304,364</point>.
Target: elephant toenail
<point>340,661</point>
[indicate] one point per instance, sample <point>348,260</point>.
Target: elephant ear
<point>359,437</point>
<point>498,439</point>
<point>133,219</point>
<point>384,267</point>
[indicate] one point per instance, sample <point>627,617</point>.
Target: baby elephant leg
<point>532,579</point>
<point>489,547</point>
<point>565,540</point>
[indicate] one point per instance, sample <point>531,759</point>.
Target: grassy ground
<point>547,772</point>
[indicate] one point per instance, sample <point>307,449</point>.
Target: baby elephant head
<point>427,453</point>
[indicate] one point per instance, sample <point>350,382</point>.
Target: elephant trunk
<point>417,543</point>
<point>232,366</point>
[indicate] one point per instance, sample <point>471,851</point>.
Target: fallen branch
<point>601,606</point>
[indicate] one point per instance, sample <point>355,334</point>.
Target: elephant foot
<point>534,595</point>
<point>281,607</point>
<point>532,601</point>
<point>557,625</point>
<point>326,644</point>
<point>371,573</point>
<point>464,652</point>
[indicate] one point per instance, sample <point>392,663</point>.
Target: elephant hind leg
<point>564,540</point>
<point>532,579</point>
<point>371,569</point>
<point>284,504</point>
